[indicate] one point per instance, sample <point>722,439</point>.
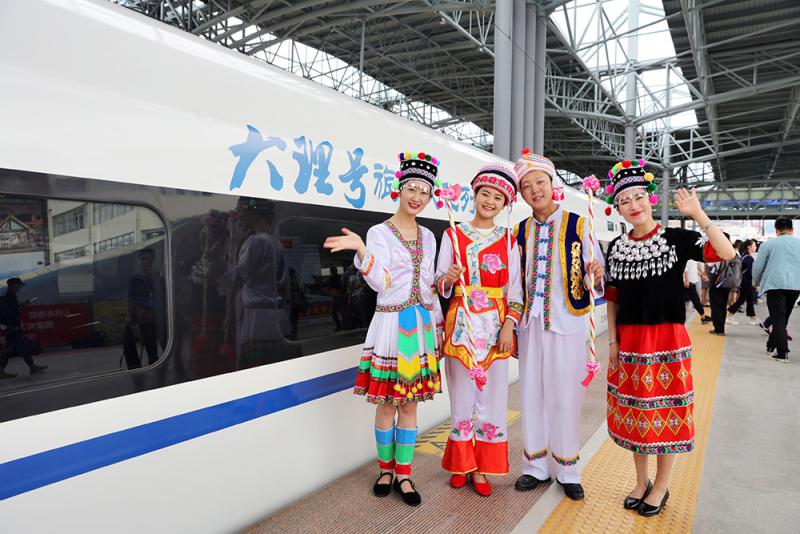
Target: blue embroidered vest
<point>570,253</point>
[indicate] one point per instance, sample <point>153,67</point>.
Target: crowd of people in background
<point>761,270</point>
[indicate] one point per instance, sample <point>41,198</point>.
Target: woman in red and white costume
<point>490,265</point>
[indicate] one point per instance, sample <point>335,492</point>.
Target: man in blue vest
<point>555,254</point>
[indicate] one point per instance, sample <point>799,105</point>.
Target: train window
<point>264,291</point>
<point>329,301</point>
<point>610,225</point>
<point>622,227</point>
<point>81,292</point>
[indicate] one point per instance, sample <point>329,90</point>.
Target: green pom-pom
<point>395,185</point>
<point>428,157</point>
<point>652,187</point>
<point>438,182</point>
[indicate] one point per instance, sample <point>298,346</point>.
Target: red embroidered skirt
<point>650,392</point>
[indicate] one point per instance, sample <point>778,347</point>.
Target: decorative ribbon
<point>590,186</point>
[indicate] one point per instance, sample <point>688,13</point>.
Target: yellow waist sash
<point>491,292</point>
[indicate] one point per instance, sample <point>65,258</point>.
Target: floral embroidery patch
<point>463,428</point>
<point>492,263</point>
<point>478,299</point>
<point>490,431</point>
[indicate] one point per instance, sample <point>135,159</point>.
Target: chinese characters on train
<point>313,169</point>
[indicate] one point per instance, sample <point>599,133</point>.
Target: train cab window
<point>623,228</point>
<point>610,225</point>
<point>82,291</point>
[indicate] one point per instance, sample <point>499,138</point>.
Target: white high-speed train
<point>120,135</point>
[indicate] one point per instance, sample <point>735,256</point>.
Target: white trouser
<point>551,367</point>
<point>489,405</point>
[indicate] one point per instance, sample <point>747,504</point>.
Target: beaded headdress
<point>627,174</point>
<point>534,162</point>
<point>417,166</point>
<point>498,176</point>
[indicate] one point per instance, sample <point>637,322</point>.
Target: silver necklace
<point>633,259</point>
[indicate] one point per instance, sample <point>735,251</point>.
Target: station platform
<point>741,477</point>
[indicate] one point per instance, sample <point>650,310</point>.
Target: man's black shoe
<point>528,482</point>
<point>573,491</point>
<point>783,358</point>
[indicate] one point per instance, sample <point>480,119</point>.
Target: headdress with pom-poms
<point>503,178</point>
<point>498,176</point>
<point>529,162</point>
<point>417,166</point>
<point>627,174</point>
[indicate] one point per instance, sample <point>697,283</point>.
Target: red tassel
<point>394,195</point>
<point>608,210</point>
<point>526,151</point>
<point>588,380</point>
<point>480,382</point>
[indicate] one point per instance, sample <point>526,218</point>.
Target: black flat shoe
<point>411,498</point>
<point>529,482</point>
<point>632,503</point>
<point>649,510</point>
<point>382,490</point>
<point>573,491</point>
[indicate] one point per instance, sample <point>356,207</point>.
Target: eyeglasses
<point>414,188</point>
<point>626,201</point>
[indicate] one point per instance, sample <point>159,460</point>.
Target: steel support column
<point>631,94</point>
<point>502,78</point>
<point>518,76</point>
<point>665,185</point>
<point>530,77</point>
<point>538,94</point>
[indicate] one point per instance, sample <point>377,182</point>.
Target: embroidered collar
<point>550,217</point>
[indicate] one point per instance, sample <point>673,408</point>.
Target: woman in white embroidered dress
<point>399,364</point>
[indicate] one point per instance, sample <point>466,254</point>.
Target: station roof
<point>742,59</point>
<point>737,61</point>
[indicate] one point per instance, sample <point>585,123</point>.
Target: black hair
<point>783,224</point>
<point>744,245</point>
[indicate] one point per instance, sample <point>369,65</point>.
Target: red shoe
<point>482,488</point>
<point>458,481</point>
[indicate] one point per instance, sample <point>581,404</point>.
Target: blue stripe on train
<point>38,470</point>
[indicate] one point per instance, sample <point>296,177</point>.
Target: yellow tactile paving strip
<point>610,475</point>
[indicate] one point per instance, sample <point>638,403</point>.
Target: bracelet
<point>613,342</point>
<point>706,227</point>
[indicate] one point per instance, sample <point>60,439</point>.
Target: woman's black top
<point>645,275</point>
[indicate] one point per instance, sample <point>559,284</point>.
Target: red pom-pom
<point>421,155</point>
<point>437,192</point>
<point>526,151</point>
<point>394,195</point>
<point>626,164</point>
<point>608,210</point>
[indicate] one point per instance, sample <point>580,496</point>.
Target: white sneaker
<point>754,323</point>
<point>731,321</point>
